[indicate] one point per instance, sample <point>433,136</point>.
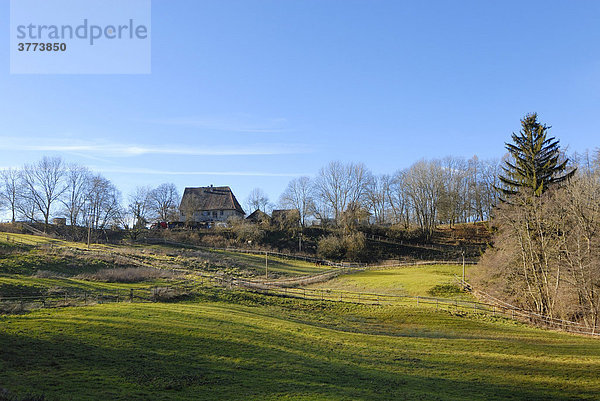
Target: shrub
<point>445,290</point>
<point>331,247</point>
<point>355,245</point>
<point>47,274</point>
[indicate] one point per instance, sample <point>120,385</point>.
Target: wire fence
<point>292,287</point>
<point>507,311</point>
<point>74,297</point>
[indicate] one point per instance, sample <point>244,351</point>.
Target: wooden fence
<point>507,311</point>
<point>81,298</point>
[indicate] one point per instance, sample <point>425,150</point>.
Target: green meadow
<point>218,344</point>
<point>423,280</point>
<point>240,346</point>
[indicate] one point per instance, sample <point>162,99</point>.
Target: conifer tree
<point>535,159</point>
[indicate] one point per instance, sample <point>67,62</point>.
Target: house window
<point>221,213</point>
<point>214,214</point>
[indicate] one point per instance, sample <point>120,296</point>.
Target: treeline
<point>52,188</point>
<point>430,192</point>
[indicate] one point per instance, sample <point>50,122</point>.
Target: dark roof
<point>258,215</point>
<point>280,214</point>
<point>210,198</point>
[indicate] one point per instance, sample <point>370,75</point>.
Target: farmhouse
<point>209,204</point>
<point>258,216</point>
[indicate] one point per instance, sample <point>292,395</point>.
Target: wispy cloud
<point>134,170</point>
<point>128,150</point>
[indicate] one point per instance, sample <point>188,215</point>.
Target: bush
<point>445,290</point>
<point>331,247</point>
<point>247,232</point>
<point>355,245</point>
<point>127,275</point>
<point>349,247</point>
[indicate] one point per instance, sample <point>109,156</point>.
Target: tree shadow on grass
<point>243,362</point>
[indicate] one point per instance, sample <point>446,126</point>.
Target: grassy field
<point>242,347</point>
<point>40,253</point>
<point>277,265</point>
<point>425,280</point>
<point>235,345</point>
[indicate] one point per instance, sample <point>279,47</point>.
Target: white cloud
<point>134,170</point>
<point>126,150</point>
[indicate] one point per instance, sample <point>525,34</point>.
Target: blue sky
<point>253,93</point>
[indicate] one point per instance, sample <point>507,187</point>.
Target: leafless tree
<point>102,203</point>
<point>77,180</point>
<point>43,184</point>
<point>339,185</point>
<point>399,200</point>
<point>424,185</point>
<point>257,199</point>
<point>139,206</point>
<point>378,197</point>
<point>299,195</point>
<point>164,200</point>
<point>10,190</point>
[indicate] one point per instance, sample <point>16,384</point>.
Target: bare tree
<point>139,206</point>
<point>399,200</point>
<point>257,199</point>
<point>339,185</point>
<point>43,184</point>
<point>424,185</point>
<point>10,190</point>
<point>163,202</point>
<point>299,195</point>
<point>102,203</point>
<point>378,197</point>
<point>77,185</point>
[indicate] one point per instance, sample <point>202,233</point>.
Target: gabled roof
<point>258,215</point>
<point>210,198</point>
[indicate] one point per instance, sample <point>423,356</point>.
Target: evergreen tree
<point>535,162</point>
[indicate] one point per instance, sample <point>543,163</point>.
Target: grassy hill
<point>238,346</point>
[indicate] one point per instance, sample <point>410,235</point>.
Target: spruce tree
<point>535,162</point>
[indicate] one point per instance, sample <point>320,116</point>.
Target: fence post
<point>131,295</point>
<point>417,300</point>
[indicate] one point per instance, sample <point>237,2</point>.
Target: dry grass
<point>128,275</point>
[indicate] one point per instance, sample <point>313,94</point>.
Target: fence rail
<point>439,303</point>
<point>81,298</point>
